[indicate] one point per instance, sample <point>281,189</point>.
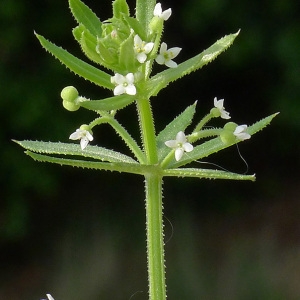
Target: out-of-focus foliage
<point>257,76</point>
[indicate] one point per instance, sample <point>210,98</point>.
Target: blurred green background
<point>79,234</point>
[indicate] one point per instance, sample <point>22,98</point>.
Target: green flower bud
<point>69,94</point>
<point>227,135</point>
<point>70,106</point>
<point>231,126</point>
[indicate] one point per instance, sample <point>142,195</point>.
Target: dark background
<point>79,234</point>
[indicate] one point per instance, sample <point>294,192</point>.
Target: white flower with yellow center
<point>124,84</point>
<point>82,134</point>
<point>141,49</point>
<point>165,56</point>
<point>180,145</point>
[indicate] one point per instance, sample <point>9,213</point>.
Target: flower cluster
<point>124,83</point>
<point>231,132</point>
<point>138,53</point>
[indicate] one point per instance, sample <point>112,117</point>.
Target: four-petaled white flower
<point>83,135</point>
<point>240,132</point>
<point>165,56</point>
<point>219,105</point>
<point>49,297</point>
<point>141,49</point>
<point>180,145</point>
<point>165,15</point>
<point>124,84</point>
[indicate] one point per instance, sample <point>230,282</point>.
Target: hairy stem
<point>155,244</point>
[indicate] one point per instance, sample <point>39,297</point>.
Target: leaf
<point>206,173</point>
<point>162,79</point>
<point>133,168</point>
<point>76,65</point>
<point>216,144</point>
<point>136,26</point>
<point>120,7</point>
<point>84,15</point>
<point>180,123</point>
<point>111,103</point>
<point>127,59</point>
<point>94,152</point>
<point>144,12</point>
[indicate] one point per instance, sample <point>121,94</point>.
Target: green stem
<point>130,142</point>
<point>203,122</point>
<point>155,244</point>
<point>154,207</point>
<point>147,130</point>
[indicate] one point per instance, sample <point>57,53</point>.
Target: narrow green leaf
<point>144,12</point>
<point>206,173</point>
<point>111,103</point>
<point>136,26</point>
<point>94,152</point>
<point>133,168</point>
<point>162,79</point>
<point>127,59</point>
<point>120,7</point>
<point>216,144</point>
<point>180,123</point>
<point>84,15</point>
<point>76,65</point>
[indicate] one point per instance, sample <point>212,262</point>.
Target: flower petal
<point>180,137</point>
<point>119,89</point>
<point>179,153</point>
<point>171,64</point>
<point>130,90</point>
<point>171,143</point>
<point>157,10</point>
<point>141,57</point>
<point>166,14</point>
<point>188,147</point>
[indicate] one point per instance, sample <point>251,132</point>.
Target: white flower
<point>180,145</point>
<point>165,15</point>
<point>165,56</point>
<point>141,49</point>
<point>49,297</point>
<point>219,105</point>
<point>83,135</point>
<point>240,132</point>
<point>124,84</point>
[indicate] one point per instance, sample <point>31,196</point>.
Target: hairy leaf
<point>84,15</point>
<point>76,65</point>
<point>162,79</point>
<point>94,152</point>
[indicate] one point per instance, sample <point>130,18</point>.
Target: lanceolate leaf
<point>76,65</point>
<point>84,15</point>
<point>111,103</point>
<point>162,79</point>
<point>206,173</point>
<point>94,152</point>
<point>144,12</point>
<point>133,168</point>
<point>180,123</point>
<point>216,144</point>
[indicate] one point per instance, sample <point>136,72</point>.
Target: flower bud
<point>69,94</point>
<point>227,135</point>
<point>70,106</point>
